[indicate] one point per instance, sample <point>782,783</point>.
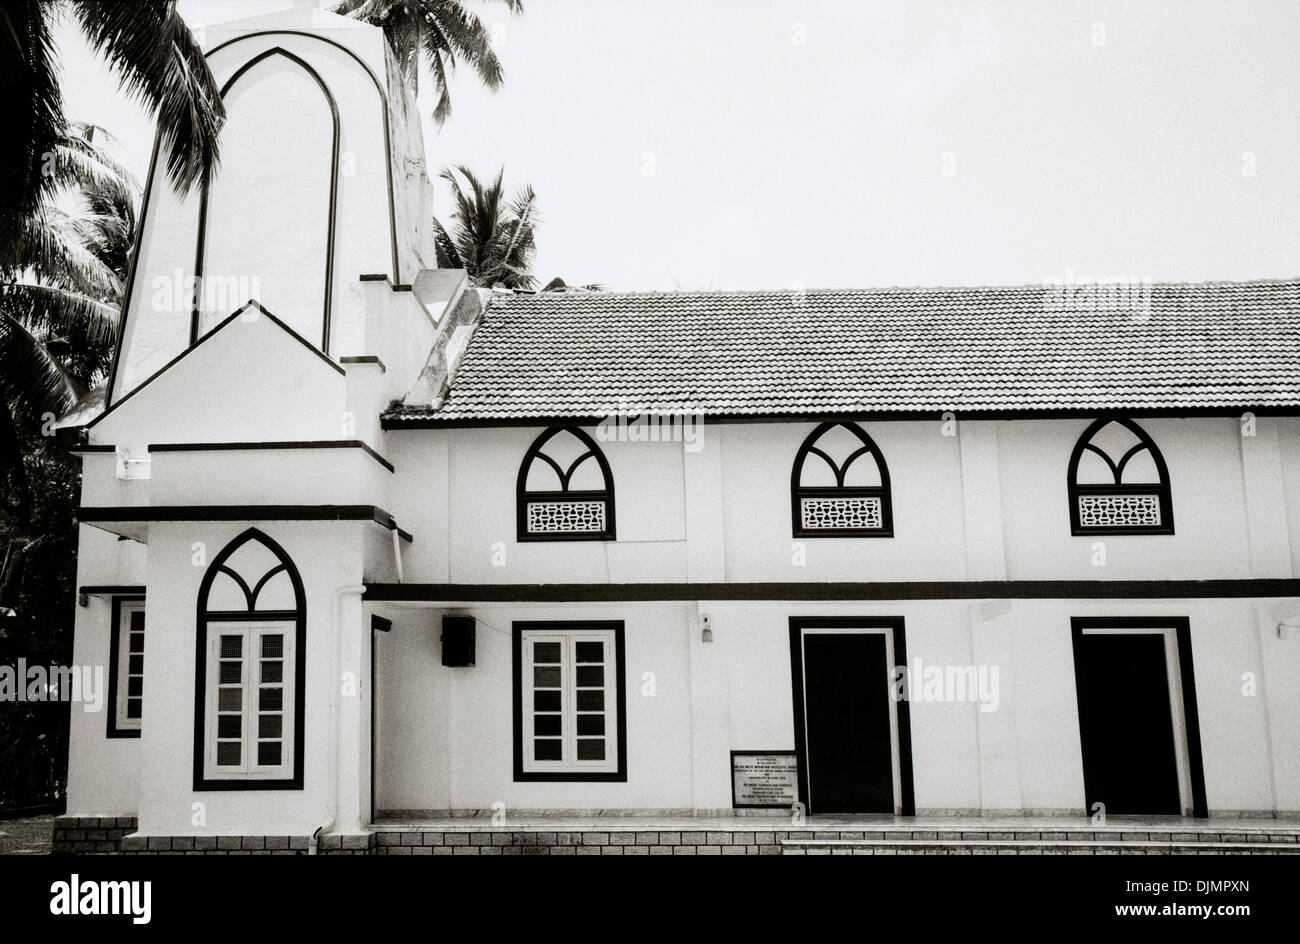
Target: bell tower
<point>322,181</point>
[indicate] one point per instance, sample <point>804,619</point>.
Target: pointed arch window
<point>565,490</point>
<point>840,485</point>
<point>1118,482</point>
<point>249,686</point>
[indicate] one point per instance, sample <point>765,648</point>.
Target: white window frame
<point>252,632</point>
<point>569,637</point>
<point>125,609</point>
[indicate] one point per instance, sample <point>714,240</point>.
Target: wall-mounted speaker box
<point>458,640</point>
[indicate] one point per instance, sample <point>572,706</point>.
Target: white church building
<point>377,561</point>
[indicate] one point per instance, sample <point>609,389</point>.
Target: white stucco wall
<point>445,734</point>
<point>458,487</point>
<point>103,772</point>
<point>327,555</point>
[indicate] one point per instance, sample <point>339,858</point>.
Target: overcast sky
<point>764,143</point>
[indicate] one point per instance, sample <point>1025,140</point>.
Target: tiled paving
<point>830,835</point>
<point>721,835</point>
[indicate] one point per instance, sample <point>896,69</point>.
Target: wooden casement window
<point>249,684</point>
<point>1118,482</point>
<point>126,667</point>
<point>569,701</point>
<point>565,490</point>
<point>840,485</point>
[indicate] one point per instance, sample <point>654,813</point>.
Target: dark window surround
<point>114,647</point>
<point>1162,490</point>
<point>907,790</point>
<point>516,646</point>
<point>1182,628</point>
<point>523,496</point>
<point>205,617</point>
<point>882,491</point>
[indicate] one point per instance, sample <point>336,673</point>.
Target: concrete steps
<point>1284,841</point>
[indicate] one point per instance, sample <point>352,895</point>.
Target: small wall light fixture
<point>1288,623</point>
<point>706,633</point>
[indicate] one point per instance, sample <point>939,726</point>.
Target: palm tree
<point>60,287</point>
<point>157,60</point>
<point>443,30</point>
<point>492,235</point>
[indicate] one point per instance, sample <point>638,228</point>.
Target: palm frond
<point>444,247</point>
<point>47,311</point>
<point>35,381</point>
<point>49,245</point>
<point>29,77</point>
<point>453,28</point>
<point>490,237</point>
<point>158,61</point>
<point>444,31</point>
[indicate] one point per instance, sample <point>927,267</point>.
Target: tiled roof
<point>1225,345</point>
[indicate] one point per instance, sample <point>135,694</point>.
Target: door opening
<point>852,737</point>
<point>1139,731</point>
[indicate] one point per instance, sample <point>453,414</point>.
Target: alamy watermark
<point>1113,294</point>
<point>219,293</point>
<point>80,683</point>
<point>683,424</point>
<point>947,683</point>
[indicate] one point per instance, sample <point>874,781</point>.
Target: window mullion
<point>250,712</point>
<point>568,718</point>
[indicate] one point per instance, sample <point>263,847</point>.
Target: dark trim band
<point>99,514</point>
<point>908,590</point>
<point>365,359</point>
<point>433,420</point>
<point>319,444</point>
<point>111,590</point>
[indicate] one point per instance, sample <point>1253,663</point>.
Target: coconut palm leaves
<point>491,235</point>
<point>445,31</point>
<point>157,61</point>
<point>60,282</point>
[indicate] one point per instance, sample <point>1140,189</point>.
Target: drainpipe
<point>397,551</point>
<point>336,659</point>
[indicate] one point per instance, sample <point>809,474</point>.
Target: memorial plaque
<point>764,779</point>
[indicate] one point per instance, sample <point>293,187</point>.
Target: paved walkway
<point>911,824</point>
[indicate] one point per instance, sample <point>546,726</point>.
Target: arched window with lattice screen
<point>565,490</point>
<point>840,485</point>
<point>1118,482</point>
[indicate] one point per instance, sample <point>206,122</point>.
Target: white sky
<point>821,163</point>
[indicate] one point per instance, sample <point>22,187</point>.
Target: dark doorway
<point>844,729</point>
<point>1126,721</point>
